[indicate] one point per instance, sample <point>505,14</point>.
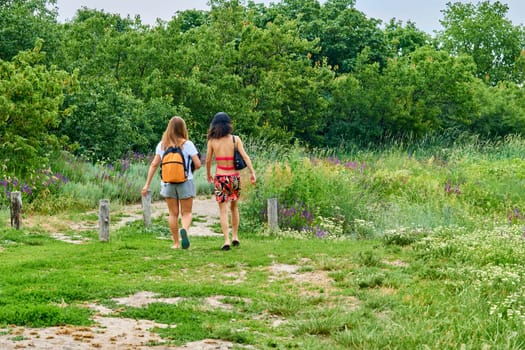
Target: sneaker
<point>185,242</point>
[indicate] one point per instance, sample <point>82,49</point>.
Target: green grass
<point>447,290</point>
<point>411,247</point>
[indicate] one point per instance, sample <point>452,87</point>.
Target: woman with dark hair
<point>227,180</point>
<point>179,197</point>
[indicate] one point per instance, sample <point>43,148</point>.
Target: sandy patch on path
<point>111,333</point>
<point>205,214</point>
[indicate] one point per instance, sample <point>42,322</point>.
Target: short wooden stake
<point>146,208</point>
<point>103,220</point>
<point>273,221</point>
<point>16,210</point>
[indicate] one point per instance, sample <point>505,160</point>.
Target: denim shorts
<point>178,191</point>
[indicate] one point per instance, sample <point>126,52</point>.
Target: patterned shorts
<point>227,188</point>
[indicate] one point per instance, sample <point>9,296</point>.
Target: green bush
<point>370,193</point>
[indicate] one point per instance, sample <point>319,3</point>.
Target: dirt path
<point>205,214</point>
<point>115,333</point>
<point>108,333</point>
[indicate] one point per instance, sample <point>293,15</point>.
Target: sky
<point>424,13</point>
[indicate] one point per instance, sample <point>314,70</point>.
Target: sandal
<point>185,242</point>
<point>225,247</point>
<point>236,243</point>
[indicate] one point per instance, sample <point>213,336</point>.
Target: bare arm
<point>240,147</point>
<point>196,161</point>
<point>152,169</point>
<point>209,157</point>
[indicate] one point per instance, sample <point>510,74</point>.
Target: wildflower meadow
<point>413,246</point>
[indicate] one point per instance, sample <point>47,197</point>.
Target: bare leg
<point>173,220</point>
<point>223,211</point>
<point>235,220</point>
<point>186,206</point>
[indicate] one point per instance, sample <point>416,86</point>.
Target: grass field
<point>417,248</point>
<point>448,289</point>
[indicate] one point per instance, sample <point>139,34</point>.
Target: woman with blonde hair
<point>227,180</point>
<point>179,197</point>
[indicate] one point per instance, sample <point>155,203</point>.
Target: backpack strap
<point>187,163</point>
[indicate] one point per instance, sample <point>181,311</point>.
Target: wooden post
<point>146,209</point>
<point>273,220</point>
<point>103,220</point>
<point>16,209</point>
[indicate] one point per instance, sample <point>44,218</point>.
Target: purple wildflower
<point>351,165</point>
<point>319,233</point>
<point>27,189</point>
<point>125,165</point>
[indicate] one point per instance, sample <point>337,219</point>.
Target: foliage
<point>31,98</point>
<point>405,188</point>
<point>322,74</point>
<point>23,23</point>
<point>416,94</point>
<point>501,111</point>
<point>404,39</point>
<point>104,123</point>
<point>483,32</point>
<point>435,95</point>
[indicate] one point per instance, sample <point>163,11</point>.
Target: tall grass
<point>347,192</point>
<point>74,184</point>
<point>416,186</point>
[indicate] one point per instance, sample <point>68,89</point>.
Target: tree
<point>358,105</point>
<point>346,32</point>
<point>404,39</point>
<point>502,110</point>
<point>422,92</point>
<point>99,44</point>
<point>105,121</point>
<point>23,22</point>
<point>190,19</point>
<point>483,32</point>
<point>432,91</point>
<point>31,106</point>
<point>343,32</point>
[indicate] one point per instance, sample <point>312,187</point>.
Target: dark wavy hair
<point>220,126</point>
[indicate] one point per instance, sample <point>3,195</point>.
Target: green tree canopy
<point>31,108</point>
<point>485,33</point>
<point>23,22</point>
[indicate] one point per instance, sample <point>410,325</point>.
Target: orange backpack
<point>173,168</point>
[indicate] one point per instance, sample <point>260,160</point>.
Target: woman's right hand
<point>144,191</point>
